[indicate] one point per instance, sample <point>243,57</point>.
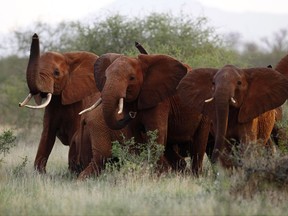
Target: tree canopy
<point>191,40</point>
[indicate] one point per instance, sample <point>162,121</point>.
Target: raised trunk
<point>32,68</point>
<point>222,112</point>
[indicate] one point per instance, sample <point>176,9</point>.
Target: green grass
<point>24,192</point>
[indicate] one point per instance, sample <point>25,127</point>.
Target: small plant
<point>261,170</point>
<point>134,156</point>
<point>18,170</point>
<point>7,141</point>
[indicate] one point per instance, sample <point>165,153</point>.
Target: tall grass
<point>136,193</point>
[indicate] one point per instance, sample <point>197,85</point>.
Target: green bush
<point>7,141</point>
<point>133,156</point>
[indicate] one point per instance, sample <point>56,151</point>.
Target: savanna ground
<point>260,188</point>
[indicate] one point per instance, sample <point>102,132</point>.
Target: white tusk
<point>49,96</point>
<point>26,100</point>
<point>121,103</point>
<point>233,100</point>
<point>209,100</point>
<point>98,102</point>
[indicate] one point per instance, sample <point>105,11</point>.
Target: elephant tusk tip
<point>83,111</point>
<point>208,100</point>
<point>233,100</point>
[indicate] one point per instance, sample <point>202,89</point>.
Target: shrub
<point>7,141</point>
<point>136,157</point>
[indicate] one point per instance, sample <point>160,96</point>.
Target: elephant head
<point>134,84</point>
<point>68,75</point>
<point>246,93</point>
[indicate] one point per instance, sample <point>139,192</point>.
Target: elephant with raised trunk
<point>240,103</point>
<point>63,80</point>
<point>140,92</point>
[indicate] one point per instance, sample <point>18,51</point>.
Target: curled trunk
<point>113,119</point>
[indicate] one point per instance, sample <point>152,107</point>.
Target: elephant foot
<point>163,165</point>
<point>75,168</point>
<point>91,169</point>
<point>40,165</point>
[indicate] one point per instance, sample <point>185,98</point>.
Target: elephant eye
<point>132,78</point>
<point>213,82</point>
<point>239,82</point>
<point>56,72</point>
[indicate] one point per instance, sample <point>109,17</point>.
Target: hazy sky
<point>21,13</point>
<point>270,6</point>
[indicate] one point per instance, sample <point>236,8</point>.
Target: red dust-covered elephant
<point>240,102</point>
<point>146,86</point>
<point>63,80</point>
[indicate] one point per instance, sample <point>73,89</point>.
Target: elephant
<point>140,93</point>
<point>240,103</point>
<point>92,135</point>
<point>63,80</point>
<point>93,140</point>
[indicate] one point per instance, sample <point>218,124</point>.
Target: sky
<point>22,13</point>
<point>269,6</point>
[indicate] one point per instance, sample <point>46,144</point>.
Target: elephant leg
<point>199,145</point>
<point>210,146</point>
<point>237,145</point>
<point>73,162</point>
<point>47,141</point>
<point>157,119</point>
<point>80,152</point>
<point>97,163</point>
<point>174,156</point>
<point>266,124</point>
<point>44,149</point>
<point>100,138</point>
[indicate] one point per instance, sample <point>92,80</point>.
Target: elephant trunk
<point>32,68</point>
<point>222,112</point>
<point>114,118</point>
<point>33,80</point>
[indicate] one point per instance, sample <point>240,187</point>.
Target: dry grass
<point>247,191</point>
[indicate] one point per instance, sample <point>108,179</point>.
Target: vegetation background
<point>191,40</point>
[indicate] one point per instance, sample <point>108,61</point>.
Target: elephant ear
<point>80,82</point>
<point>100,66</point>
<point>268,89</point>
<point>196,87</point>
<point>161,75</point>
<point>282,66</point>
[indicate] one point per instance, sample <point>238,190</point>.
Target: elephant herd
<point>195,111</point>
